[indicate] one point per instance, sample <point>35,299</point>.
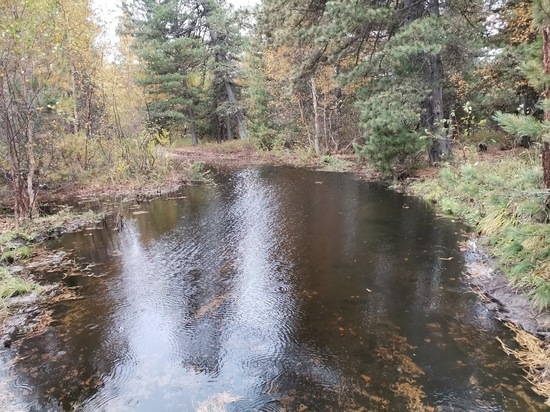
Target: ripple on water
<point>20,384</point>
<point>244,288</point>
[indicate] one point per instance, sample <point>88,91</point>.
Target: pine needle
<point>534,357</point>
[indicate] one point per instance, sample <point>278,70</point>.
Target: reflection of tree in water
<point>285,292</point>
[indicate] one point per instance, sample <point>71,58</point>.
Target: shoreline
<point>481,273</point>
<point>490,283</point>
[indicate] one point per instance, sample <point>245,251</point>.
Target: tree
<point>30,48</point>
<point>387,59</point>
<point>541,14</point>
<point>295,61</point>
<point>190,50</point>
<point>521,125</point>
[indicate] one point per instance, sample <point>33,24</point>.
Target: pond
<point>274,289</point>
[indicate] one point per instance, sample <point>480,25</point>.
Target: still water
<point>276,289</point>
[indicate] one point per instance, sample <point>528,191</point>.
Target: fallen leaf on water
<point>211,306</point>
<point>366,378</point>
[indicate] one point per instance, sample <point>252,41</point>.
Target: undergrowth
<point>504,201</point>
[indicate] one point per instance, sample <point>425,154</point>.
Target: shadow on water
<point>280,288</point>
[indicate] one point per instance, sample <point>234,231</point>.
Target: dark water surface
<point>279,289</point>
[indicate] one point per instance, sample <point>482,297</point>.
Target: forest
<point>449,100</point>
<point>399,85</point>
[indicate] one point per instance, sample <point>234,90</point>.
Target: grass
<point>11,285</point>
<point>335,164</point>
<point>503,200</point>
<point>15,254</point>
<point>199,171</point>
<point>232,146</point>
<point>51,225</point>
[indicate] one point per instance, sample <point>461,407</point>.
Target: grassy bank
<point>503,200</point>
<point>16,249</point>
<point>501,197</point>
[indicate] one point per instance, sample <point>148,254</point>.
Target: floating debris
<point>217,402</point>
<point>212,306</point>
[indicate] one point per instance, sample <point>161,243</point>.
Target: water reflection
<point>289,290</point>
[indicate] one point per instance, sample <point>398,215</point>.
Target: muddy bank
<point>509,304</point>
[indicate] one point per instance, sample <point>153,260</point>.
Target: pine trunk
<point>316,142</point>
<point>194,139</point>
<point>228,128</point>
<point>546,164</point>
<point>190,113</point>
<point>433,74</point>
<point>243,133</point>
<point>546,145</point>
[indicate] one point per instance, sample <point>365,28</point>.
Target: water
<point>276,289</point>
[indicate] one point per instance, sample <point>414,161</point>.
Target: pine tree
<point>389,57</point>
<point>521,125</point>
<point>190,51</point>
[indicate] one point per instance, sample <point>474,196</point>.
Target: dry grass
<point>534,357</point>
<point>233,146</point>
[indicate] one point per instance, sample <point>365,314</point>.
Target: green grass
<point>504,202</point>
<point>199,171</point>
<point>15,254</point>
<point>13,285</point>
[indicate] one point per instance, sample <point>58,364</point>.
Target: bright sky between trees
<point>109,12</point>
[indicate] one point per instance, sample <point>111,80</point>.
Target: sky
<point>109,12</point>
